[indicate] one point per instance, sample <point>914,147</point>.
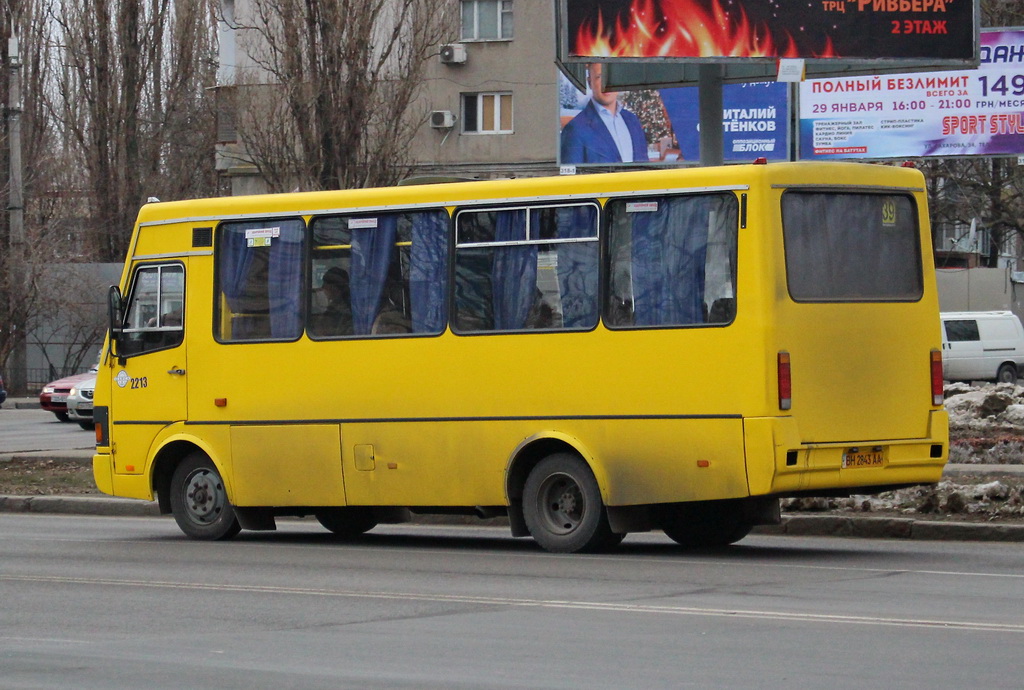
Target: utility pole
<point>16,365</point>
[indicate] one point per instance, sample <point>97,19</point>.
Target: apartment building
<point>488,108</point>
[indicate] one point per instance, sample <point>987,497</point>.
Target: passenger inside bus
<point>392,317</point>
<point>336,318</point>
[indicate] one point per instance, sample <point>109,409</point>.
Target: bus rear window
<point>851,247</point>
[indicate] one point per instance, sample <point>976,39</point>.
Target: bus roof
<point>527,188</point>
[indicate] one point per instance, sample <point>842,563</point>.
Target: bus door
<point>149,381</point>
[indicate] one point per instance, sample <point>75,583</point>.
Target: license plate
<point>857,458</point>
<point>58,398</point>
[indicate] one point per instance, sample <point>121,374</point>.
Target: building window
<point>226,100</point>
<point>487,113</point>
<point>486,20</point>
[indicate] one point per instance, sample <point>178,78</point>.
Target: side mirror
<point>116,316</point>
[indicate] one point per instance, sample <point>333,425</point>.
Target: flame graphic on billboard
<point>685,28</point>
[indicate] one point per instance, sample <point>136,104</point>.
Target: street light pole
<point>17,372</point>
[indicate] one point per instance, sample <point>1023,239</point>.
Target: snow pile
<point>986,423</point>
<point>981,408</point>
<point>992,500</point>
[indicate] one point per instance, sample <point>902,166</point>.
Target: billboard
<point>661,125</point>
<point>977,112</point>
<point>936,30</point>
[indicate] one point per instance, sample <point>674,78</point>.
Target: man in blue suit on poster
<point>604,131</point>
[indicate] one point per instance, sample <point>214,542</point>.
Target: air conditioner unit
<point>453,54</point>
<point>442,119</point>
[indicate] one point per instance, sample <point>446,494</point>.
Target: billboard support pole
<point>709,93</point>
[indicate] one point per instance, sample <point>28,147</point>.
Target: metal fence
<point>37,377</point>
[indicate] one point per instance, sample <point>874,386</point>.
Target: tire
<point>1007,374</point>
<point>703,525</point>
<point>347,523</point>
<point>563,509</point>
<point>199,500</point>
<point>62,416</point>
<point>87,426</point>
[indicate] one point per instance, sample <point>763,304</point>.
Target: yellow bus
<point>589,355</point>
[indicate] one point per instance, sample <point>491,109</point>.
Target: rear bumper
<point>779,464</point>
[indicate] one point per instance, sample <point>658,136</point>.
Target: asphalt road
<point>128,602</point>
<point>24,431</point>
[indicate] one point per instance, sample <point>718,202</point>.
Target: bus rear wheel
<point>347,523</point>
<point>696,525</point>
<point>563,509</point>
<point>199,501</point>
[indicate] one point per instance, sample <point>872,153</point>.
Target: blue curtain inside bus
<point>428,271</point>
<point>669,250</point>
<point>514,276</point>
<point>371,256</point>
<point>261,278</point>
<point>284,282</point>
<point>577,266</point>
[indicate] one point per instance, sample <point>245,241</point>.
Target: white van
<point>982,346</point>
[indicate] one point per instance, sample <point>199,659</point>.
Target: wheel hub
<point>566,503</point>
<point>562,504</point>
<point>204,497</point>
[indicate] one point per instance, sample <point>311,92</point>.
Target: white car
<point>80,403</point>
<point>982,346</point>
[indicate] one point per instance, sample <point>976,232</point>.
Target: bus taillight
<point>785,382</point>
<point>936,377</point>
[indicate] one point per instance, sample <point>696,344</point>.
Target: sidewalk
<point>20,404</point>
<point>830,525</point>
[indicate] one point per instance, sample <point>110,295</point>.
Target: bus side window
<point>259,280</point>
<point>526,269</point>
<point>154,319</point>
<point>394,267</point>
<point>672,261</point>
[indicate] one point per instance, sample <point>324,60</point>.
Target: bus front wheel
<point>563,509</point>
<point>199,501</point>
<point>347,523</point>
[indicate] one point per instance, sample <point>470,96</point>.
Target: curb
<point>792,525</point>
<point>79,505</point>
<point>892,528</point>
<point>82,456</point>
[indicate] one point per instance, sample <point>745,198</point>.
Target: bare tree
<point>131,100</point>
<point>115,109</point>
<point>344,76</point>
<point>24,244</point>
<point>987,190</point>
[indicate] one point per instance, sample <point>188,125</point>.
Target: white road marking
<point>647,609</point>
